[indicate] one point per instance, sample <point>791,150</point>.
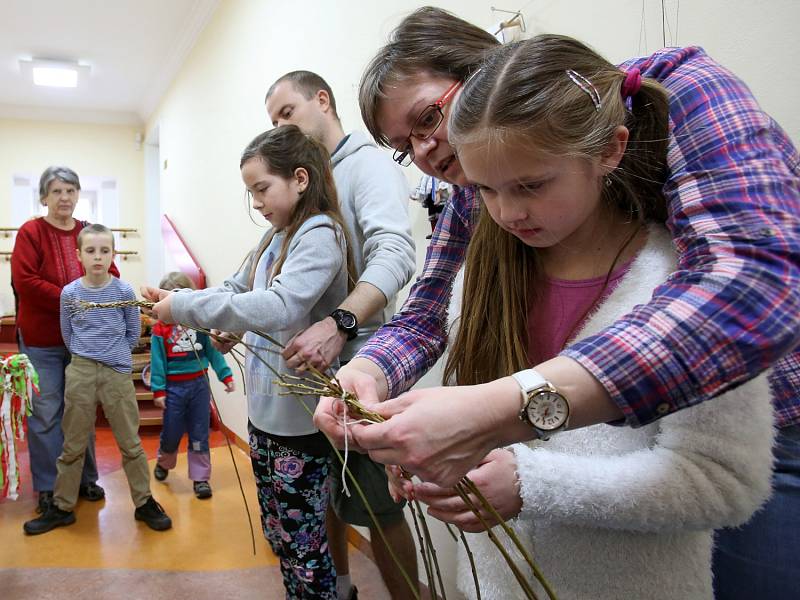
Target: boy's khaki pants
<point>88,383</point>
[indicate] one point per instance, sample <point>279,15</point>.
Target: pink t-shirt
<point>553,320</point>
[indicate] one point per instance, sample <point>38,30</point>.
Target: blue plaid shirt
<point>730,311</point>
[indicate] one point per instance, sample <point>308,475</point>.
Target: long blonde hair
<point>522,93</point>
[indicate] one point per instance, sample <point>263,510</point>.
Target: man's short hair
<point>308,84</point>
<point>95,228</point>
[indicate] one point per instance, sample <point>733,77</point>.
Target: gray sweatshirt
<point>373,196</point>
<point>311,284</point>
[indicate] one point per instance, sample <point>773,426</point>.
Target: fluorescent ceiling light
<point>55,77</point>
<point>54,73</point>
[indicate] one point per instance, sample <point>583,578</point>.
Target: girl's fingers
<point>465,520</point>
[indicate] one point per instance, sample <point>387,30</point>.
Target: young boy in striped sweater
<point>100,341</point>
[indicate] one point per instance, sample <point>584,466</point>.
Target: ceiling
<point>134,49</point>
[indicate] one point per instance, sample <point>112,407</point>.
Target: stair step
<point>151,415</point>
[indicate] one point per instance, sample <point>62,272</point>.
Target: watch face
<point>347,320</point>
<point>547,410</point>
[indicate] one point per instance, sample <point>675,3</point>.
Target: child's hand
<point>159,402</point>
<point>152,293</point>
<point>230,386</point>
<point>163,308</point>
<point>221,340</point>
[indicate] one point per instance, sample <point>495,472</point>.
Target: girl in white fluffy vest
<point>567,152</point>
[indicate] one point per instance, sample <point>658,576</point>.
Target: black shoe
<point>54,517</point>
<point>91,491</point>
<point>45,501</point>
<point>153,515</point>
<point>353,593</point>
<point>202,490</point>
<point>160,472</point>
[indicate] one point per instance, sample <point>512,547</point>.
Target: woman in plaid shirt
<point>729,312</point>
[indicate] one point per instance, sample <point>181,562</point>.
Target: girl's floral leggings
<point>293,492</point>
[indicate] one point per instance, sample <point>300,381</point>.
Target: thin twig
<point>471,560</point>
<point>521,579</point>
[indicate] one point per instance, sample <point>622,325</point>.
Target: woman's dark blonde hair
<point>429,40</point>
<point>283,150</point>
<point>522,94</point>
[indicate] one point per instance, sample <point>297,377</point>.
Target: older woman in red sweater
<point>44,260</point>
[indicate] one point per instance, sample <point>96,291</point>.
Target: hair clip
<point>587,86</point>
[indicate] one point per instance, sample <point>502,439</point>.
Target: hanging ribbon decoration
<point>19,381</point>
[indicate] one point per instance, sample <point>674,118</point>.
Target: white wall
<point>756,39</point>
<point>215,104</point>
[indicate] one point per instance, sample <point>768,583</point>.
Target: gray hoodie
<point>311,284</point>
<point>373,196</point>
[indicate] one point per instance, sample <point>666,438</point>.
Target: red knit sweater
<point>42,263</point>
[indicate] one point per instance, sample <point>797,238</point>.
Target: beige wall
<point>28,147</point>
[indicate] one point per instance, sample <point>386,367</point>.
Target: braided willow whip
<point>82,305</point>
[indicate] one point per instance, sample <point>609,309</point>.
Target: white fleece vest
<point>615,513</point>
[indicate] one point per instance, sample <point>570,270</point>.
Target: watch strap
<point>529,379</point>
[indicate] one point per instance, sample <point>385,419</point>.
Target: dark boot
<point>45,500</point>
<point>202,490</point>
<point>153,515</point>
<point>160,472</point>
<point>52,518</point>
<point>91,491</point>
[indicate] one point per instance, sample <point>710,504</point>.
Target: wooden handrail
<point>124,254</point>
<point>7,231</point>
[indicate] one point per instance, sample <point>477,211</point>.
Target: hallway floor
<point>107,554</point>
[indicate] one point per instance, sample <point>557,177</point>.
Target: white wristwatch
<point>544,408</point>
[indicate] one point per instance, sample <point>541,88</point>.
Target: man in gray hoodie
<point>373,196</point>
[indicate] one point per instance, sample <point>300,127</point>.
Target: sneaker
<point>91,491</point>
<point>52,518</point>
<point>45,501</point>
<point>202,489</point>
<point>152,513</point>
<point>160,472</point>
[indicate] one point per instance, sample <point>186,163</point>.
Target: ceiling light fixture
<point>54,73</point>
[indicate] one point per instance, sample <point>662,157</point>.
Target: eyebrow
<point>522,180</point>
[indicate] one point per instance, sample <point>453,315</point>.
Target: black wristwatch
<point>346,322</point>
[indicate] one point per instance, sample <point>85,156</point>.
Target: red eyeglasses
<point>425,126</point>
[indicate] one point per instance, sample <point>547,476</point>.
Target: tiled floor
<point>107,554</point>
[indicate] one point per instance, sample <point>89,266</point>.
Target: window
<point>98,201</point>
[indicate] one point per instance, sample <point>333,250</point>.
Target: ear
<point>78,254</point>
<point>324,100</point>
<point>301,177</point>
<point>615,150</point>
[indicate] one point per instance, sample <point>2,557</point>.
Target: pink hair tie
<point>632,83</point>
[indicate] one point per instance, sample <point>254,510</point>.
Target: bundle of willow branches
<point>318,383</point>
